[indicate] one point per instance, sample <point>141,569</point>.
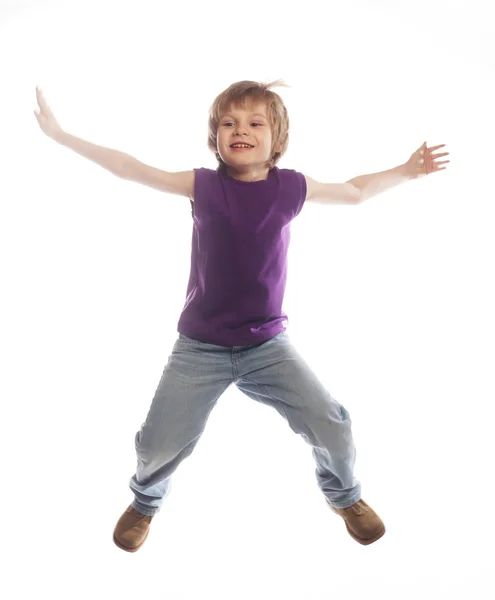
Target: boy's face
<point>248,126</point>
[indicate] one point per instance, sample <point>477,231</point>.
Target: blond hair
<point>239,95</point>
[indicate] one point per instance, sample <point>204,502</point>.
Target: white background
<point>391,302</point>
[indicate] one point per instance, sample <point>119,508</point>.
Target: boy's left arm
<point>422,162</point>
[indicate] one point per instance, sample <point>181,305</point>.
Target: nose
<point>240,129</point>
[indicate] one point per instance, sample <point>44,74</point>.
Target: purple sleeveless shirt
<point>240,239</point>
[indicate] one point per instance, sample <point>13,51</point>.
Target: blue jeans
<point>272,373</point>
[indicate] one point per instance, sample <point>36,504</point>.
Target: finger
<point>433,148</point>
<point>41,99</point>
<point>40,95</point>
<point>44,107</point>
<point>428,163</point>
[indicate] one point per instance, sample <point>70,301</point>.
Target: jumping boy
<point>232,327</point>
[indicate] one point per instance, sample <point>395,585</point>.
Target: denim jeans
<point>272,373</point>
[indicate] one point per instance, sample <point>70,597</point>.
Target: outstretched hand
<point>423,161</point>
<point>45,117</point>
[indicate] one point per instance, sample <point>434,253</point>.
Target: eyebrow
<point>253,115</point>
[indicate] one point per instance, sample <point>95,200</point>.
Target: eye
<point>230,123</point>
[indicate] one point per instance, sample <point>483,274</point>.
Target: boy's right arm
<point>127,167</point>
<point>119,163</point>
<point>180,183</point>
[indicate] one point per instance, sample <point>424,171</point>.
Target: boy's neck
<point>248,176</point>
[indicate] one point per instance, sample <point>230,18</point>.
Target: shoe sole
<point>365,542</point>
<point>126,548</point>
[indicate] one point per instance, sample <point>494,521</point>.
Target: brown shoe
<point>362,522</point>
<point>132,530</point>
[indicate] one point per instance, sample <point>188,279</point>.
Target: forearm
<point>112,160</point>
<point>376,183</point>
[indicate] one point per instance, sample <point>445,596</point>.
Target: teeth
<point>241,146</point>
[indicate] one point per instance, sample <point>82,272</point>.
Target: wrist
<point>59,136</point>
<point>405,171</point>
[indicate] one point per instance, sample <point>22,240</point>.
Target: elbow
<point>355,194</point>
<point>125,167</point>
